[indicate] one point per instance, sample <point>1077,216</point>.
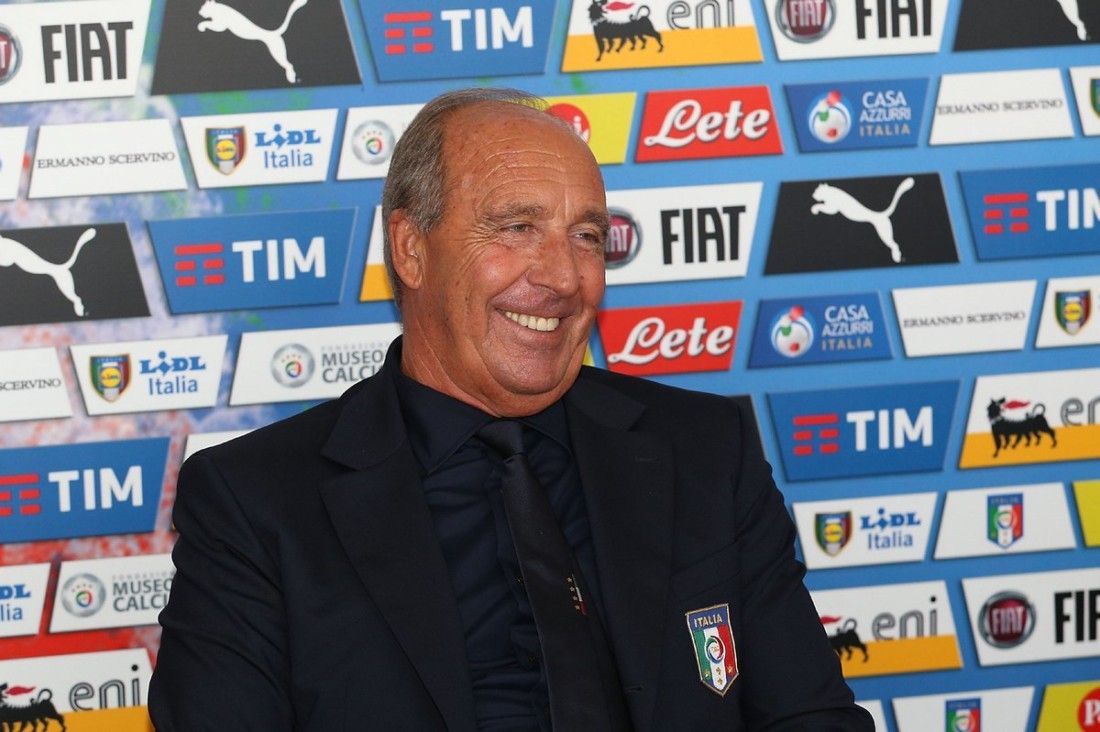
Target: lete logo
<point>708,123</point>
<point>670,339</point>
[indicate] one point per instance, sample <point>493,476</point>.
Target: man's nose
<point>556,266</point>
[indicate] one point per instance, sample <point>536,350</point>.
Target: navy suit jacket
<point>311,594</point>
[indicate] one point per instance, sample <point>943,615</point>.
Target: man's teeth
<point>533,322</point>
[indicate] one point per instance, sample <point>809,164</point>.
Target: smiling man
<point>485,535</point>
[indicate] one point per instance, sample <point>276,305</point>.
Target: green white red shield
<point>715,652</point>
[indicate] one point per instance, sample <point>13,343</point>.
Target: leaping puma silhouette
<point>219,17</point>
<point>14,253</point>
<point>831,200</point>
<point>1073,15</point>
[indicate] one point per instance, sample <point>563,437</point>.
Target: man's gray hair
<point>416,177</point>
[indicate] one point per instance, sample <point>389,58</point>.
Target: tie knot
<point>505,436</point>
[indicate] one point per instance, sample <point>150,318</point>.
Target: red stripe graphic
<point>411,17</point>
<point>808,420</point>
<point>183,250</point>
<point>1000,198</point>
<point>19,479</point>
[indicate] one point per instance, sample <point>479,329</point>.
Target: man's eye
<point>518,228</point>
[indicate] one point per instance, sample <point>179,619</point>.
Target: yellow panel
<point>1088,508</point>
<point>1074,443</point>
<point>609,117</point>
<point>126,719</point>
<point>376,285</point>
<point>688,47</point>
<point>1062,702</point>
<point>904,655</point>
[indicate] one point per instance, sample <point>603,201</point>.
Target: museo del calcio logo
<point>1037,417</point>
<point>111,592</point>
<point>308,363</point>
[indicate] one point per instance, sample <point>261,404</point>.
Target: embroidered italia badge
<point>715,653</point>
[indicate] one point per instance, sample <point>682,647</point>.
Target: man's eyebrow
<point>597,217</point>
<point>516,210</point>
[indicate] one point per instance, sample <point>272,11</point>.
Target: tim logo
<point>1016,420</point>
<point>865,431</point>
<point>623,22</point>
<point>84,489</point>
<point>411,41</point>
<point>19,707</point>
<point>20,495</point>
<point>1006,213</point>
<point>1047,211</point>
<point>844,637</point>
<point>268,260</point>
<point>408,33</point>
<point>199,263</point>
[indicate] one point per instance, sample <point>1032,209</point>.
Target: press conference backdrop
<point>878,220</point>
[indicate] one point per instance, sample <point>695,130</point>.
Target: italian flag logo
<point>715,653</point>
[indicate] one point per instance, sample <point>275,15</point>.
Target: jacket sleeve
<point>792,675</point>
<point>223,660</point>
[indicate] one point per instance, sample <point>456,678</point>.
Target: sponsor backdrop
<point>878,219</point>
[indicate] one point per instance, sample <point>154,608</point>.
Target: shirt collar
<point>438,424</point>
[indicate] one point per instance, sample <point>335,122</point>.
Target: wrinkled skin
<point>522,233</point>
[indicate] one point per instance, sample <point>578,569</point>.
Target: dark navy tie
<point>572,671</point>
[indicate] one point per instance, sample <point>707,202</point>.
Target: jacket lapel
<point>385,527</point>
<point>628,479</point>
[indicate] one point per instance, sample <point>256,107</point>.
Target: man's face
<point>511,276</point>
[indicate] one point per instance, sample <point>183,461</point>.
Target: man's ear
<point>407,249</point>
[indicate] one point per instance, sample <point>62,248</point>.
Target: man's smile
<point>534,322</point>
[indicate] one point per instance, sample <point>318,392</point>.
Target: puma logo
<point>1073,15</point>
<point>831,200</point>
<point>219,17</point>
<point>14,253</point>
